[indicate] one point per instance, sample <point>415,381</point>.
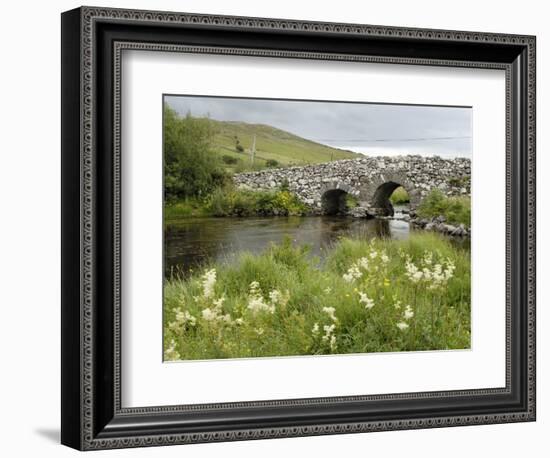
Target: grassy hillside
<point>271,144</point>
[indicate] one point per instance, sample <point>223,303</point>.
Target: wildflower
<point>373,254</point>
<point>315,329</point>
<point>329,329</point>
<point>402,325</point>
<point>384,258</point>
<point>413,273</point>
<point>256,304</point>
<point>275,296</point>
<point>352,274</point>
<point>386,282</point>
<point>208,282</point>
<point>239,321</point>
<point>209,314</point>
<point>330,312</point>
<point>363,263</point>
<point>364,299</point>
<point>408,313</point>
<point>333,343</point>
<point>397,305</point>
<point>183,317</point>
<point>259,331</point>
<point>327,290</point>
<point>170,354</point>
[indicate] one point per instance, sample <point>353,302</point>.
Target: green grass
<point>279,302</point>
<point>400,196</point>
<point>456,210</point>
<point>271,144</point>
<point>231,201</point>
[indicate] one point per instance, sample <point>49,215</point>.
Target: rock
<point>429,226</point>
<point>448,228</point>
<point>358,212</point>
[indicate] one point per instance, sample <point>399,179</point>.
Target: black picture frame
<point>92,416</point>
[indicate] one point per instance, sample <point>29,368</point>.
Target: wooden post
<point>253,150</point>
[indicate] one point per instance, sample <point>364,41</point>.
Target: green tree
<point>190,167</point>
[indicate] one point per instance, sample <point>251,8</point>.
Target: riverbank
<point>232,201</point>
<point>382,295</point>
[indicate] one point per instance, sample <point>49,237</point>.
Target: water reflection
<point>191,242</point>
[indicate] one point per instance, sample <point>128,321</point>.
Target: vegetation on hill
<point>274,147</point>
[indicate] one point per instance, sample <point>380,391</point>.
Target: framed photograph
<point>276,228</point>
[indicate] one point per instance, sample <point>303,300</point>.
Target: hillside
<point>271,144</point>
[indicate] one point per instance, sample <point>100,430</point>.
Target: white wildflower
<point>256,302</point>
<point>329,329</point>
<point>315,329</point>
<point>170,354</point>
<point>408,313</point>
<point>413,273</point>
<point>402,325</point>
<point>330,312</point>
<point>239,321</point>
<point>384,258</point>
<point>275,296</point>
<point>208,282</point>
<point>397,305</point>
<point>363,263</point>
<point>352,274</point>
<point>364,299</point>
<point>327,290</point>
<point>333,343</point>
<point>373,254</point>
<point>259,331</point>
<point>183,317</point>
<point>219,302</point>
<point>209,314</point>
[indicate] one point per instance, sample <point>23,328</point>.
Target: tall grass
<point>365,297</point>
<point>456,210</point>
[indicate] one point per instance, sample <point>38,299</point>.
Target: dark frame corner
<point>92,40</point>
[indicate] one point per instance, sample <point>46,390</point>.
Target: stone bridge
<point>371,181</point>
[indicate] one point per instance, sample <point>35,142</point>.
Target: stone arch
<point>333,198</point>
<point>383,188</point>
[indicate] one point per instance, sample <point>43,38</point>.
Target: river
<point>193,242</point>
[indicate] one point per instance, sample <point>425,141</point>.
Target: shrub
<point>456,210</point>
<point>271,163</point>
<point>230,201</point>
<point>190,167</point>
<point>229,159</point>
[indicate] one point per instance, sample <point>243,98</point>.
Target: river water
<point>193,242</point>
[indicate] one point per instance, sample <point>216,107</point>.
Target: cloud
<point>362,127</point>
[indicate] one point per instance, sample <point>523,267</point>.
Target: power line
<point>419,139</point>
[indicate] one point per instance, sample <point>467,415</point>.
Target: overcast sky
<point>371,129</point>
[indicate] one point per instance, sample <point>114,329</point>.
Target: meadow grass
<point>377,296</point>
<point>456,210</point>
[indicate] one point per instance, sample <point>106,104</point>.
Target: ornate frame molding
<point>89,435</point>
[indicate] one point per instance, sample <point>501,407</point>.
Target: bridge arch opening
<point>336,202</point>
<point>389,194</point>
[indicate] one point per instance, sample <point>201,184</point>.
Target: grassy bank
<point>456,210</point>
<point>374,296</point>
<point>231,201</point>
